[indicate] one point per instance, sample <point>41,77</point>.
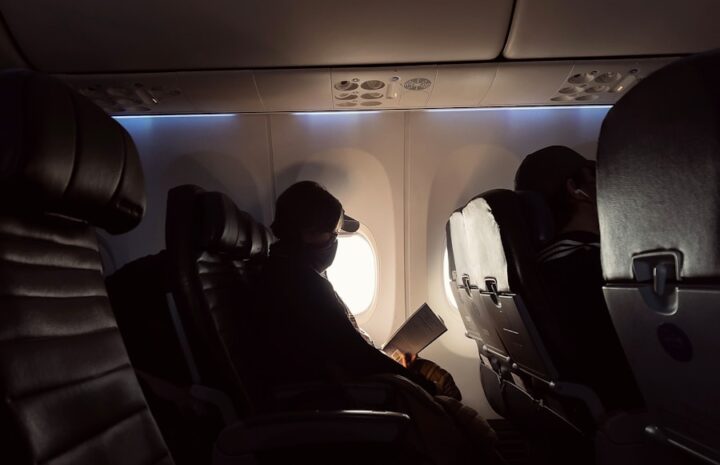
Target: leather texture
<point>62,154</point>
<point>69,394</point>
<point>211,248</point>
<point>659,171</point>
<point>659,193</point>
<point>228,231</point>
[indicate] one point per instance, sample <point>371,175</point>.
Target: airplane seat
<point>502,231</point>
<point>505,230</point>
<point>659,208</point>
<point>212,247</point>
<point>69,392</point>
<point>478,324</point>
<point>138,293</point>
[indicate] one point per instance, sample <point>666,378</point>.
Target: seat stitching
<point>29,339</point>
<point>46,296</point>
<point>45,265</point>
<point>49,389</point>
<point>104,297</point>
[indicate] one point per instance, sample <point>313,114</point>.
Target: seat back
<point>478,322</point>
<point>502,233</point>
<point>659,209</point>
<point>212,250</point>
<point>69,392</point>
<point>502,253</point>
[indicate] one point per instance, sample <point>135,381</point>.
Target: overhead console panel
<point>581,82</point>
<point>573,29</point>
<point>165,35</point>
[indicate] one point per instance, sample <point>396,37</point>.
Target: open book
<point>422,328</point>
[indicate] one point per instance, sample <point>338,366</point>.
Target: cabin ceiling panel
<point>462,85</point>
<point>221,91</point>
<point>294,90</point>
<point>136,35</point>
<point>569,28</point>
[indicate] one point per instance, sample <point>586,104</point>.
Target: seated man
<point>307,313</point>
<point>589,351</point>
<point>315,338</point>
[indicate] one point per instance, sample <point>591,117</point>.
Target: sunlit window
<point>353,274</point>
<point>446,280</point>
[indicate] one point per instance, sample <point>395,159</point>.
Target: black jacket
<point>589,351</point>
<point>312,338</point>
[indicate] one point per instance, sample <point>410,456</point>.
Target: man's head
<point>309,218</point>
<point>567,182</point>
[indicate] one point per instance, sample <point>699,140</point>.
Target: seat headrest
<point>60,153</point>
<point>659,171</point>
<point>504,230</point>
<point>225,229</point>
<point>486,254</point>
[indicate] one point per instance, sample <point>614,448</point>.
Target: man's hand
<point>407,359</point>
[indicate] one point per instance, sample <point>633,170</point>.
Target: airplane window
<point>446,280</point>
<point>353,274</point>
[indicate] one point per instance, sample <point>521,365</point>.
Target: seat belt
<point>182,337</point>
<point>198,391</point>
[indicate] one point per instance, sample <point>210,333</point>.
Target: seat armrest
<point>584,394</point>
<point>361,395</point>
<point>304,430</point>
<point>626,427</point>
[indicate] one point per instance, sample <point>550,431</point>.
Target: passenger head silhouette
<point>307,221</point>
<point>567,182</point>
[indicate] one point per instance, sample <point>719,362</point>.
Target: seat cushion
<point>69,393</point>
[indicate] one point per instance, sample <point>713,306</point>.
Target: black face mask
<point>320,258</point>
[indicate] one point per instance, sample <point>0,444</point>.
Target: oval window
<point>353,274</point>
<point>446,280</point>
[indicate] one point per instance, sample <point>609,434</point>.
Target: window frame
<point>364,233</point>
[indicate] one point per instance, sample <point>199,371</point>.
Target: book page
<point>422,328</point>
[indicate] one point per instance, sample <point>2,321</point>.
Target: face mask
<point>322,257</point>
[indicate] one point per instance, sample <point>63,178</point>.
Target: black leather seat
<point>69,392</point>
<point>494,239</point>
<point>212,247</point>
<point>181,351</point>
<point>659,208</point>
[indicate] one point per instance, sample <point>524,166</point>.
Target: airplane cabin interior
<point>144,150</point>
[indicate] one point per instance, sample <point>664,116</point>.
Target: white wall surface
<point>400,173</point>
